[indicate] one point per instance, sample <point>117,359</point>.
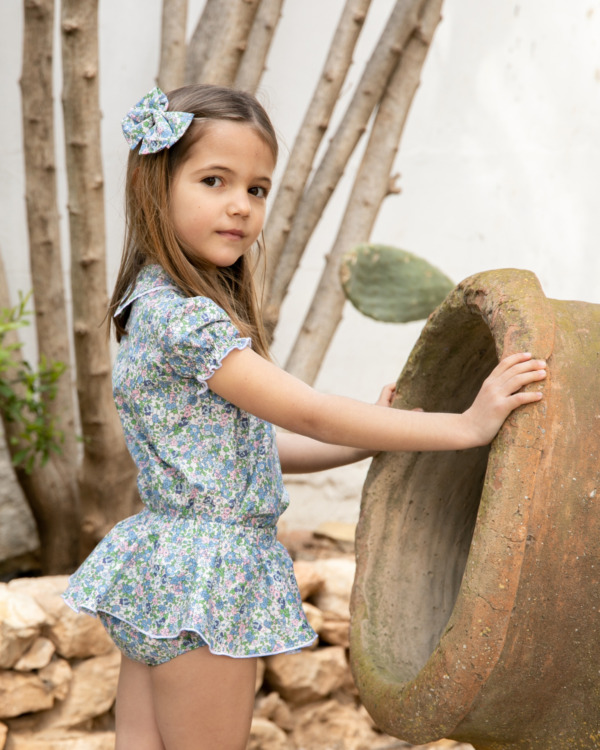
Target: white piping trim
<point>82,609</point>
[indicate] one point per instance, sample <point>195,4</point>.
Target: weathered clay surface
<point>475,611</point>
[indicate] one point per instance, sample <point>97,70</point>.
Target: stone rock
<point>21,621</point>
<point>264,735</point>
<point>80,636</point>
<point>45,590</point>
<point>92,692</point>
<point>336,727</point>
<point>3,733</point>
<point>76,636</point>
<point>38,656</point>
<point>348,693</point>
<point>18,534</point>
<point>337,530</point>
<point>57,677</point>
<point>336,632</point>
<point>61,741</point>
<point>296,541</point>
<point>314,616</point>
<point>274,708</point>
<point>334,597</point>
<point>21,693</point>
<point>308,676</point>
<point>309,579</point>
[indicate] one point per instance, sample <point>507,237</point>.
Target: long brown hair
<point>150,235</point>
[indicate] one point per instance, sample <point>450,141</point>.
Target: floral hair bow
<point>150,122</point>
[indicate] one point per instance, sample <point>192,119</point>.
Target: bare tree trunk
<point>260,37</point>
<point>171,69</point>
<point>370,188</point>
<point>222,66</point>
<point>107,481</point>
<point>230,24</point>
<point>206,35</point>
<point>308,140</point>
<point>403,20</point>
<point>53,509</point>
<point>59,539</point>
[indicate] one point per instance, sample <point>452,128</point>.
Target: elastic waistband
<point>266,532</point>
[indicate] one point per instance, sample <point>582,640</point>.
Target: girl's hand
<point>387,395</point>
<point>501,393</point>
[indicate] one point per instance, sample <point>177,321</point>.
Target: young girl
<point>195,587</point>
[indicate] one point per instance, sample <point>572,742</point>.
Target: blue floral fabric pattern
<point>151,651</point>
<point>150,122</point>
<point>202,556</point>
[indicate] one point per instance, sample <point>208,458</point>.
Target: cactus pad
<point>392,285</point>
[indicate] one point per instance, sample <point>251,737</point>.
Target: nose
<point>239,204</point>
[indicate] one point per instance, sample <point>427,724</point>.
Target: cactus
<point>392,285</point>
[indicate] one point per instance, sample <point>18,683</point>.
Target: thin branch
<point>261,35</point>
<point>171,69</point>
<point>205,37</point>
<point>370,188</point>
<point>310,135</point>
<point>227,48</point>
<point>401,24</point>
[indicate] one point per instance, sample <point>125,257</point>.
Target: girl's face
<point>218,195</point>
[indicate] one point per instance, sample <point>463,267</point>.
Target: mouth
<point>231,234</point>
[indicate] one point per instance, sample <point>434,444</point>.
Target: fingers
<point>517,380</point>
<point>523,397</point>
<point>501,393</point>
<point>387,395</point>
<point>514,359</point>
<point>517,363</point>
<point>518,370</point>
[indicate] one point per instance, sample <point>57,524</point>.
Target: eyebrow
<point>219,168</point>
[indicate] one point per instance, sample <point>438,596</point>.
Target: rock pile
<point>59,671</point>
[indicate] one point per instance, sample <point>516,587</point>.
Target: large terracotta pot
<point>476,606</point>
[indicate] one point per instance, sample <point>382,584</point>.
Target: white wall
<point>499,161</point>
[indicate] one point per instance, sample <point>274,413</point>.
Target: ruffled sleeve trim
<point>198,337</point>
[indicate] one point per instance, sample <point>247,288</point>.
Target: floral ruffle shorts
<point>143,648</point>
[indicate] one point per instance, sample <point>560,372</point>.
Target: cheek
<point>260,216</point>
<point>178,211</point>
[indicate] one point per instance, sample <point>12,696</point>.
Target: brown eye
<point>212,181</point>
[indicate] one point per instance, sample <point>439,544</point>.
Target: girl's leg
<point>203,701</point>
<point>135,720</point>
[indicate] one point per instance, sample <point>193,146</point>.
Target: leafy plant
<point>25,393</point>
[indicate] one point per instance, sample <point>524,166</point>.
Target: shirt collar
<point>149,279</point>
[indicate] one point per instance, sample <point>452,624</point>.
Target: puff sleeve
<point>198,337</point>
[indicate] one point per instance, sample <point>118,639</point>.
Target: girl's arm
<point>299,454</point>
<point>261,388</point>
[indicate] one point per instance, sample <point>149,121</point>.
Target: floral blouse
<point>202,556</point>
